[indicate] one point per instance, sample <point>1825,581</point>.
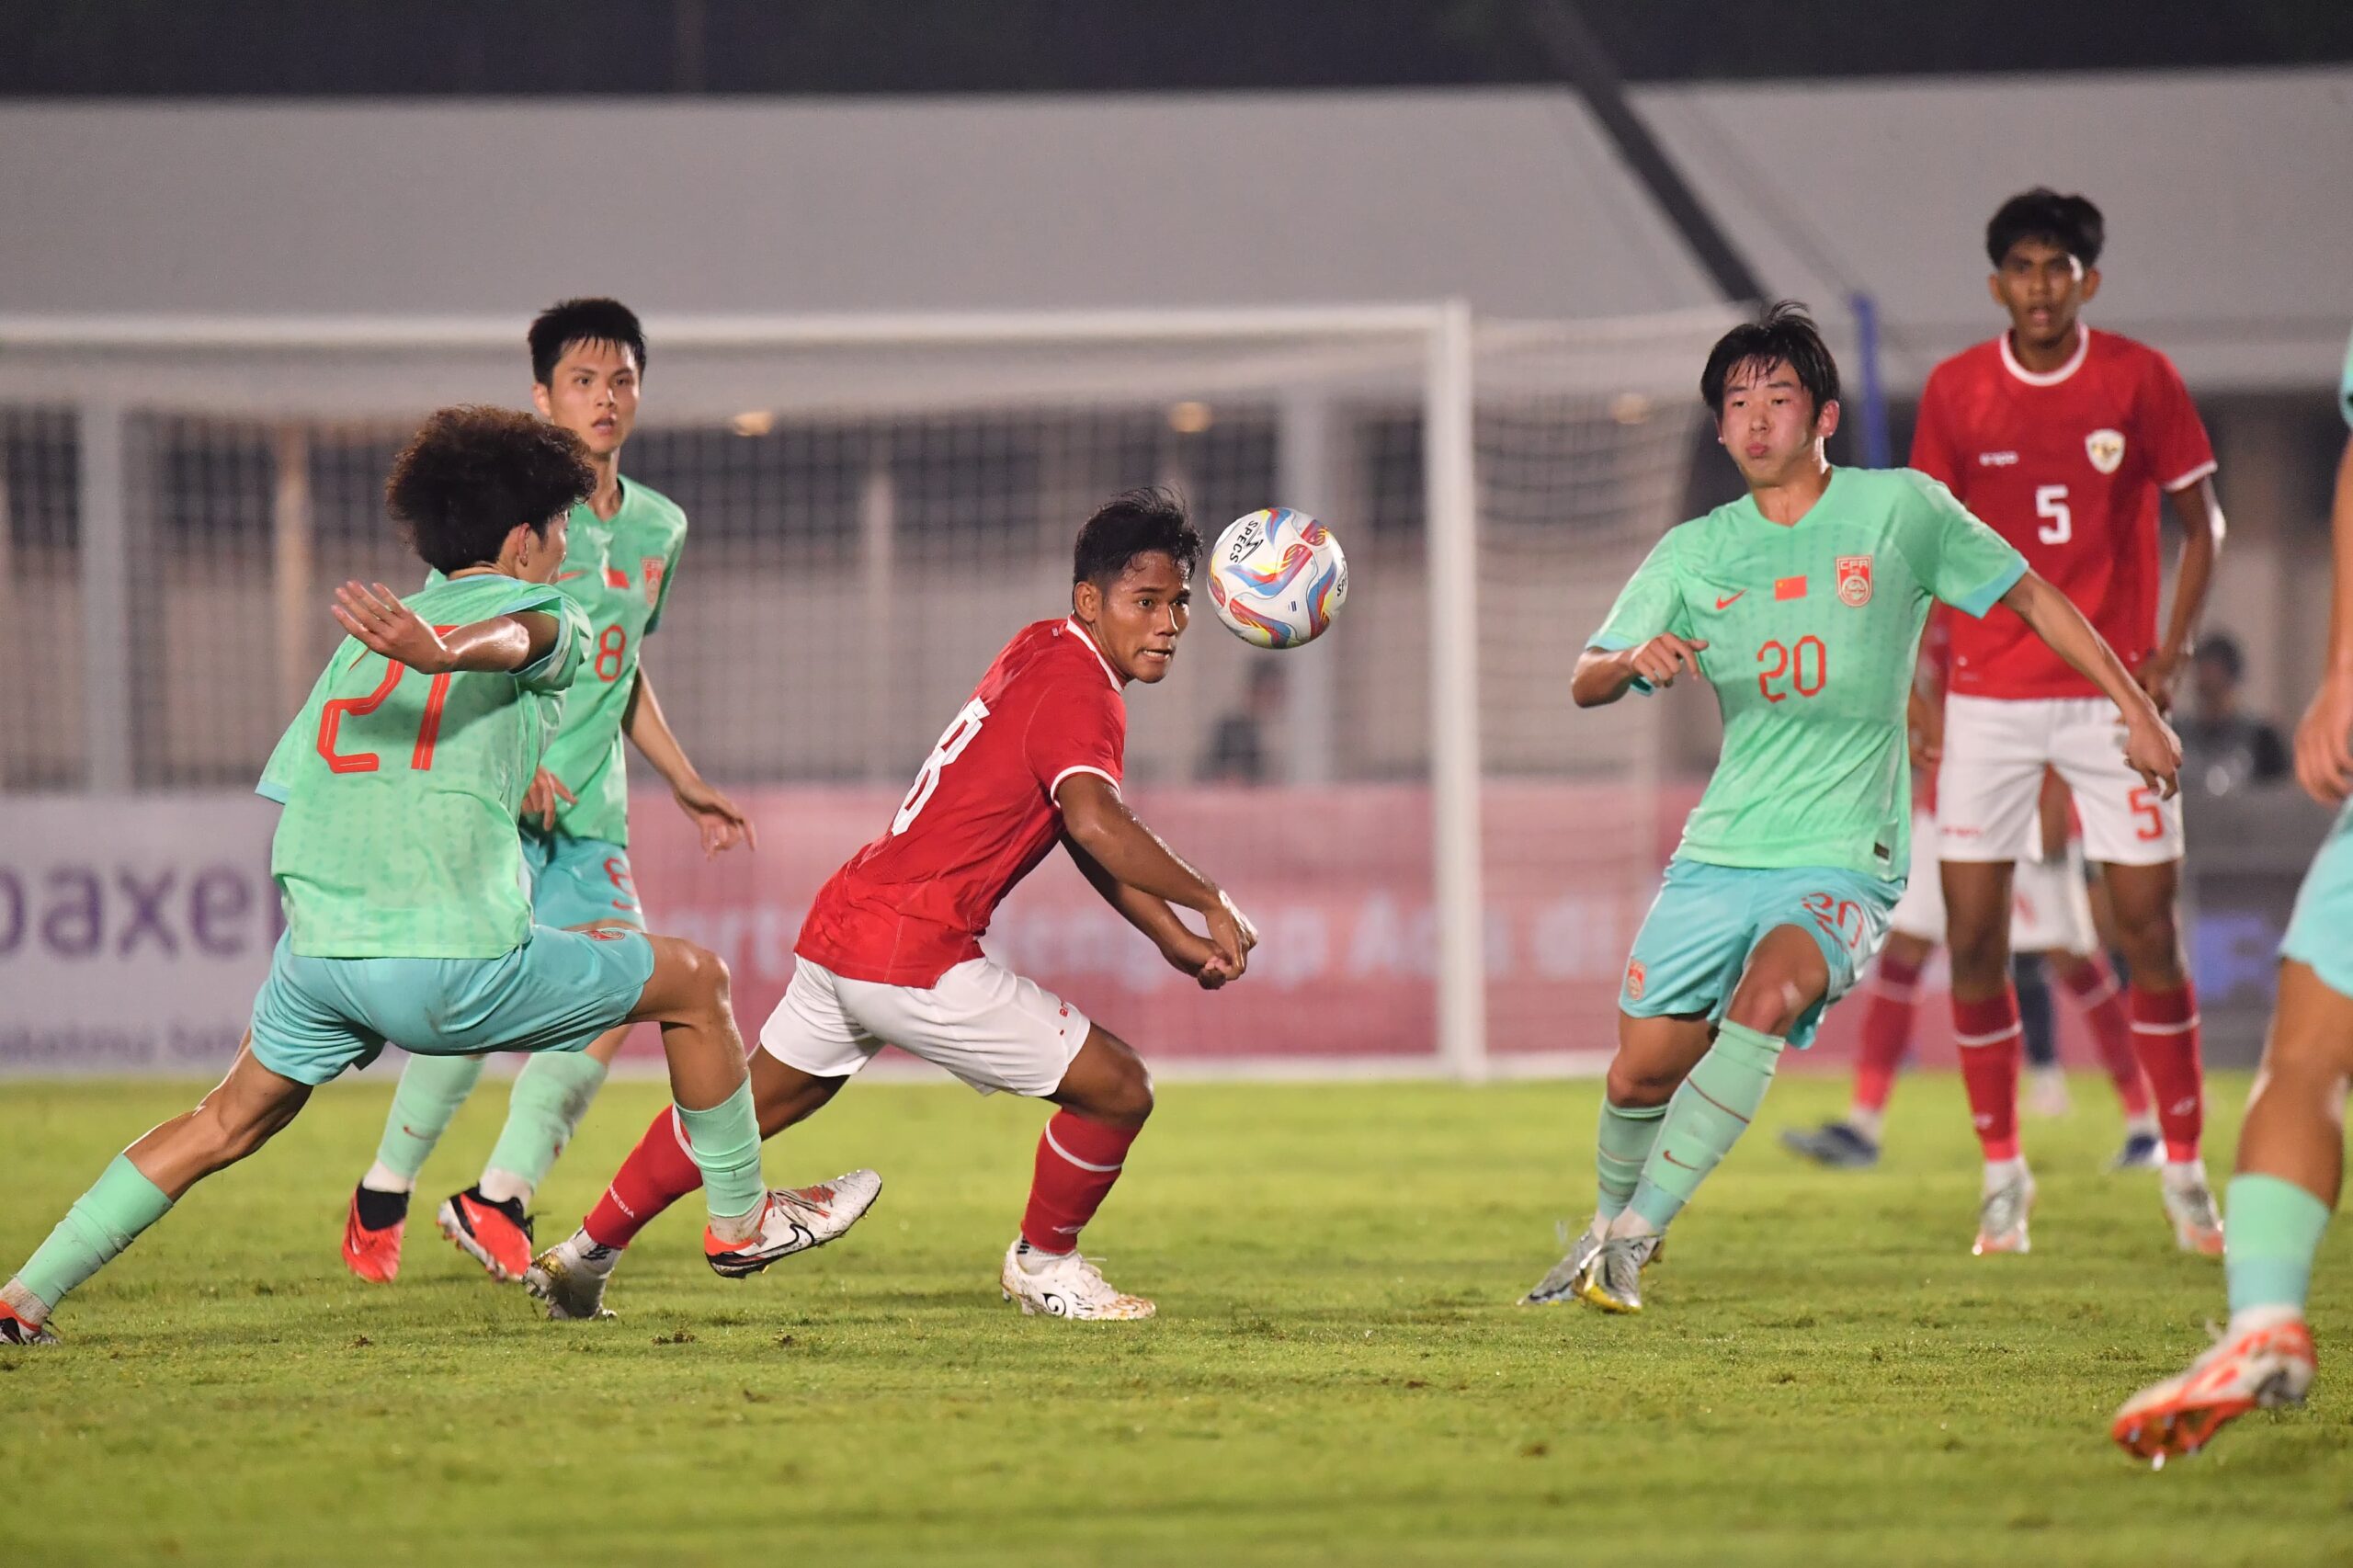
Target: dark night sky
<point>201,48</point>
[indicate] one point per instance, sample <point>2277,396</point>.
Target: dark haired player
<point>890,953</point>
<point>2063,440</point>
<point>587,360</point>
<point>1802,604</point>
<point>402,874</point>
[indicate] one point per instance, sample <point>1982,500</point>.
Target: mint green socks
<point>105,1220</point>
<point>552,1093</point>
<point>1623,1143</point>
<point>1705,1118</point>
<point>725,1143</point>
<point>431,1090</point>
<point>2271,1230</point>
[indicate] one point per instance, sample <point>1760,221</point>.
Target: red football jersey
<point>912,904</point>
<point>2067,466</point>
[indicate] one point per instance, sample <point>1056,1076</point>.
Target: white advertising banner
<point>133,930</point>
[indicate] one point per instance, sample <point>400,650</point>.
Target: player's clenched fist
<point>1664,656</point>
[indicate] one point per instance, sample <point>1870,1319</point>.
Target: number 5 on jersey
<point>952,745</point>
<point>2051,501</point>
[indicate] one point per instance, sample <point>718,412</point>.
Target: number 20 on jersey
<point>1784,671</point>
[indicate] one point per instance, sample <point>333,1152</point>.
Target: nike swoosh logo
<point>1721,604</point>
<point>568,576</point>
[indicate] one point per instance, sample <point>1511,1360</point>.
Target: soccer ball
<point>1278,577</point>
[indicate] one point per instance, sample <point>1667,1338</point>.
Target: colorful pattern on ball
<point>1278,577</point>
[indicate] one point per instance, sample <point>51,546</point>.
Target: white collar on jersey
<point>1109,672</point>
<point>2048,378</point>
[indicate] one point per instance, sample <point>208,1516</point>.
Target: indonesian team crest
<point>2106,449</point>
<point>1855,580</point>
<point>650,568</point>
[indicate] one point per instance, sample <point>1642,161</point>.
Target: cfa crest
<point>2106,449</point>
<point>650,568</point>
<point>1635,977</point>
<point>1855,580</point>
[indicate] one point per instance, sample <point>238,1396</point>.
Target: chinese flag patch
<point>616,578</point>
<point>1789,587</point>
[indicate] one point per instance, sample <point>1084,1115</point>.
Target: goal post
<point>1440,860</point>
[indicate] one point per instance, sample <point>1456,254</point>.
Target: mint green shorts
<point>579,881</point>
<point>1696,940</point>
<point>2319,933</point>
<point>560,989</point>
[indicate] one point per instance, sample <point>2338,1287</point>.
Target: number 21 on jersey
<point>428,730</point>
<point>952,745</point>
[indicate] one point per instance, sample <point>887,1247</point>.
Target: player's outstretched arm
<point>388,626</point>
<point>1190,955</point>
<point>721,824</point>
<point>2325,735</point>
<point>1098,822</point>
<point>1603,675</point>
<point>2151,748</point>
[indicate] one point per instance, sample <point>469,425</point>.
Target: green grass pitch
<point>1338,1374</point>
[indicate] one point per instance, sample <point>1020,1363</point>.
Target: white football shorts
<point>2051,912</point>
<point>1990,783</point>
<point>981,1022</point>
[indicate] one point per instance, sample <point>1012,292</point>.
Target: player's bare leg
<point>1893,998</point>
<point>570,1275</point>
<point>2291,1168</point>
<point>245,1111</point>
<point>1106,1097</point>
<point>1654,1055</point>
<point>1986,1028</point>
<point>2146,899</point>
<point>1785,974</point>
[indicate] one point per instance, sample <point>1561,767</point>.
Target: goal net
<point>1444,865</point>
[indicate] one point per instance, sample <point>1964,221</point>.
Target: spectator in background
<point>2225,750</point>
<point>1237,752</point>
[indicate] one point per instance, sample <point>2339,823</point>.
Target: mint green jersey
<point>1813,631</point>
<point>619,572</point>
<point>401,790</point>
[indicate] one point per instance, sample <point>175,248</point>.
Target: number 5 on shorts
<point>952,746</point>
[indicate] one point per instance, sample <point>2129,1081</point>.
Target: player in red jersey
<point>2064,440</point>
<point>891,954</point>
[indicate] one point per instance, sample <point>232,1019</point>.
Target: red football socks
<point>658,1171</point>
<point>2093,985</point>
<point>2164,1036</point>
<point>1987,1033</point>
<point>1077,1162</point>
<point>1887,1032</point>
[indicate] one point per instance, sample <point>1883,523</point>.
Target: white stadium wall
<point>2229,198</point>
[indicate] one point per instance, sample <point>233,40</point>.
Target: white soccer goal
<point>1446,864</point>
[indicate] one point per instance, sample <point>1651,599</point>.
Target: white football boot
<point>570,1277</point>
<point>796,1219</point>
<point>1562,1284</point>
<point>1065,1286</point>
<point>2261,1367</point>
<point>2190,1207</point>
<point>2002,1216</point>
